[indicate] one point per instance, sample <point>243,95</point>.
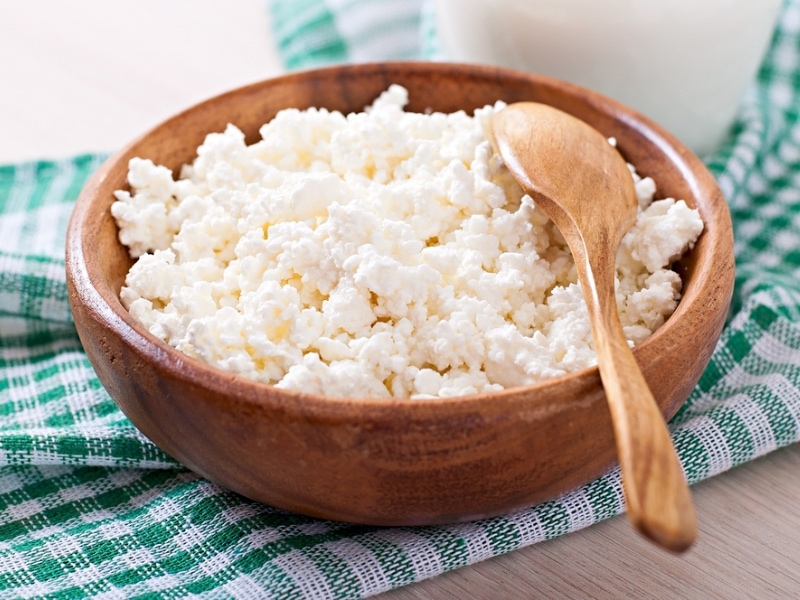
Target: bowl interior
<point>458,87</point>
<point>655,153</point>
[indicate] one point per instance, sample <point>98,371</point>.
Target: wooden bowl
<point>379,461</point>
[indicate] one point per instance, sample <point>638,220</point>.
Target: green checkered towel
<point>89,507</point>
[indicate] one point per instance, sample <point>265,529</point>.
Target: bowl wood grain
<point>379,461</point>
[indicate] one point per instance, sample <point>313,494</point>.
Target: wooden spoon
<point>583,184</point>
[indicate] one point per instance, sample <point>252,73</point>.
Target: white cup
<point>684,63</point>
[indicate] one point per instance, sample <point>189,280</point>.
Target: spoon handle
<point>658,499</point>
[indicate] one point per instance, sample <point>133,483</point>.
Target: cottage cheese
<point>382,253</point>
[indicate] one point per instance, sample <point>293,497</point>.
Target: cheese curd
<point>382,253</point>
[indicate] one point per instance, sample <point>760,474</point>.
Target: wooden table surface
<point>89,75</point>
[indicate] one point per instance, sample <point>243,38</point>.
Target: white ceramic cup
<point>684,63</point>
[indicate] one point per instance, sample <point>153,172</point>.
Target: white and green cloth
<point>91,508</point>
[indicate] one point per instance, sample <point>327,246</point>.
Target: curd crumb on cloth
<point>381,253</point>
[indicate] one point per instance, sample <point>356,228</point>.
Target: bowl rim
<point>92,290</point>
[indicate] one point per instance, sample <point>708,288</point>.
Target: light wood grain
<point>747,547</point>
<point>89,75</point>
<point>749,518</point>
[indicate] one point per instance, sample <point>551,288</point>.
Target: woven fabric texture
<point>90,508</point>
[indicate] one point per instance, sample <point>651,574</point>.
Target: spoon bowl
<point>583,184</point>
